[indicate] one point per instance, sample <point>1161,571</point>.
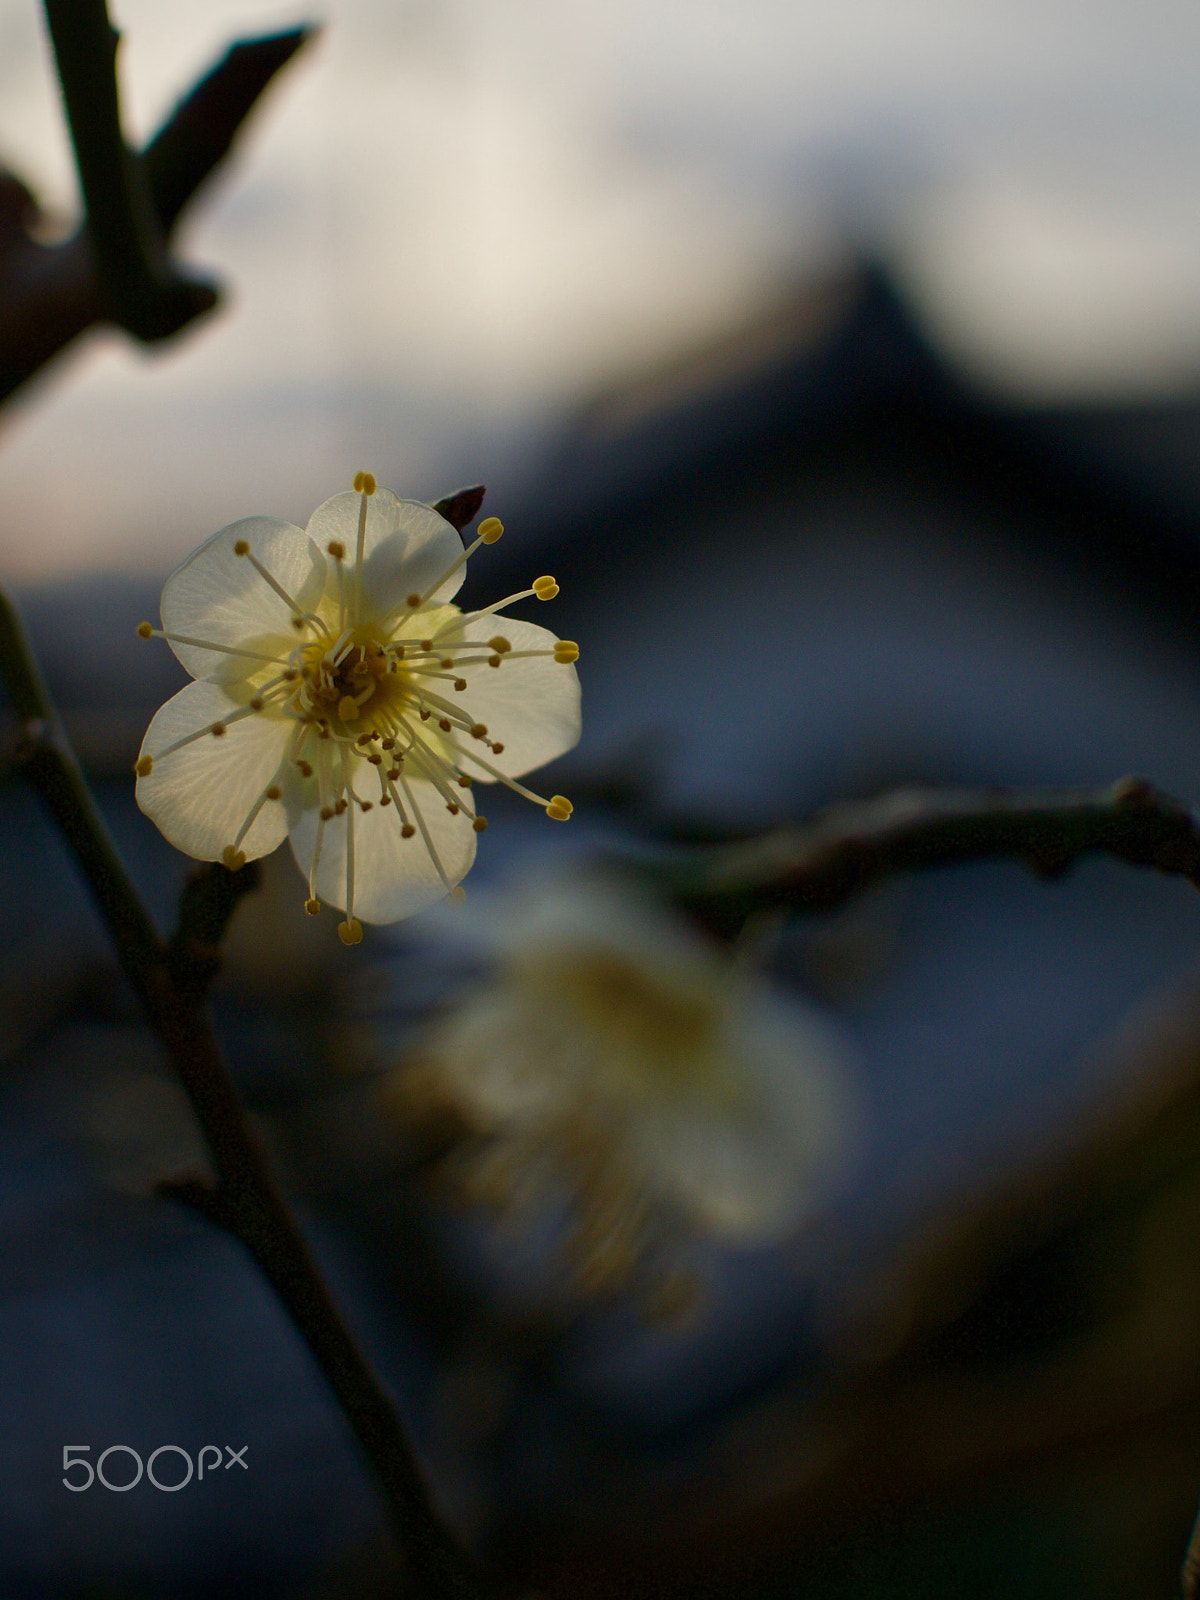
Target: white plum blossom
<point>617,1061</point>
<point>342,701</point>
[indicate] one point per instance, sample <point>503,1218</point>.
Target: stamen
<point>145,631</point>
<point>566,651</point>
<point>299,617</point>
<point>312,907</point>
<point>560,808</point>
<point>144,766</point>
<point>362,540</point>
<point>545,588</point>
<point>511,783</point>
<point>350,870</point>
<point>433,855</point>
<point>232,859</point>
<point>216,729</point>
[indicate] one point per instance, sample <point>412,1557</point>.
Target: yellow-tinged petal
<point>219,596</point>
<point>406,547</point>
<point>394,877</point>
<point>199,796</point>
<point>530,704</point>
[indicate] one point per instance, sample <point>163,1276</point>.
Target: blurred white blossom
<point>616,1065</point>
<point>342,701</point>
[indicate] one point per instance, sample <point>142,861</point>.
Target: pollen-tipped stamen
<point>425,835</point>
<point>208,644</point>
<point>241,548</point>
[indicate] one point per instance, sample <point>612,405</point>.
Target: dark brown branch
<point>50,294</point>
<point>139,287</point>
<point>246,1199</point>
<point>852,845</point>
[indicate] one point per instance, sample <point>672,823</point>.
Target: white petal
<point>218,596</point>
<point>393,877</point>
<point>200,795</point>
<point>407,547</point>
<point>531,705</point>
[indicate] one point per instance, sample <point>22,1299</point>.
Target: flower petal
<point>219,596</point>
<point>200,795</point>
<point>393,877</point>
<point>531,705</point>
<point>407,547</point>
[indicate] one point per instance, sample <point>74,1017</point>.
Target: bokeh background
<point>844,367</point>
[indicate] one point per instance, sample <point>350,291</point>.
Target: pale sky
<point>455,219</point>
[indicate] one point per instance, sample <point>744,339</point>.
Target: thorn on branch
<point>461,507</point>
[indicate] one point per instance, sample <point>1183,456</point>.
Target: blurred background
<point>844,368</point>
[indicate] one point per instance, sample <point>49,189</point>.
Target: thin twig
<point>852,845</point>
<point>246,1198</point>
<point>50,293</point>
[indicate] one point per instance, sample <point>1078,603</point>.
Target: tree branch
<point>246,1199</point>
<point>854,844</point>
<point>50,294</point>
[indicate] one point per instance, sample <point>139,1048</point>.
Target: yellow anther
<point>407,831</point>
<point>463,781</point>
<point>364,483</point>
<point>480,824</point>
<point>560,808</point>
<point>347,707</point>
<point>351,932</point>
<point>490,529</point>
<point>312,907</point>
<point>500,645</point>
<point>336,549</point>
<point>566,651</point>
<point>144,766</point>
<point>274,792</point>
<point>144,630</point>
<point>234,860</point>
<point>457,896</point>
<point>545,588</point>
<point>217,730</point>
<point>414,600</point>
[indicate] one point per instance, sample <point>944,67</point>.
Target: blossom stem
<point>245,1199</point>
